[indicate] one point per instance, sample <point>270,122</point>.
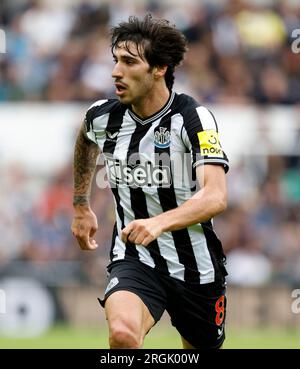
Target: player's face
<point>132,74</point>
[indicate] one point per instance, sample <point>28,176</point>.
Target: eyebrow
<point>125,57</point>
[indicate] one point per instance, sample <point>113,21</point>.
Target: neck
<point>151,103</point>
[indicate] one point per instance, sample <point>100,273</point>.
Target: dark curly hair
<point>157,41</point>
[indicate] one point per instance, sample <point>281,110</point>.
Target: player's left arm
<point>208,202</point>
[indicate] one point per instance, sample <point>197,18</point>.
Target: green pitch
<point>163,337</point>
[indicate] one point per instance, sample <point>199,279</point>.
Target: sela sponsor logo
<point>138,175</point>
<point>162,138</point>
<point>210,144</point>
<point>159,170</point>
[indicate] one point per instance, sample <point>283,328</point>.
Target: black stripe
<point>215,250</point>
<point>113,241</point>
<point>217,129</point>
<point>181,237</point>
<point>114,124</point>
<point>97,110</point>
<point>192,125</point>
<point>130,247</point>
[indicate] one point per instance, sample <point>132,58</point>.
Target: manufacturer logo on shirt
<point>220,331</point>
<point>111,136</point>
<point>162,138</point>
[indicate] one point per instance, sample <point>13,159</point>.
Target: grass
<point>163,337</point>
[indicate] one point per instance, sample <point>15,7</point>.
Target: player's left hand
<point>142,231</point>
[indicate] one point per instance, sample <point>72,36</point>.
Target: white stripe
<point>202,256</point>
<point>207,161</point>
<point>119,246</point>
<point>146,146</point>
<point>119,249</point>
<point>185,137</point>
<point>168,251</point>
<point>187,143</point>
<point>206,118</point>
<point>180,169</point>
<point>165,241</point>
<point>100,123</point>
<point>99,126</point>
<point>144,256</point>
<point>179,165</point>
<point>97,103</point>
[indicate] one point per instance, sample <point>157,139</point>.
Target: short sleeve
<point>91,113</point>
<point>201,137</point>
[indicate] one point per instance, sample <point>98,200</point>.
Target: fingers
<point>83,234</point>
<point>146,241</point>
<point>126,232</point>
<point>87,243</point>
<point>93,231</point>
<point>137,233</point>
<point>136,238</point>
<point>140,239</point>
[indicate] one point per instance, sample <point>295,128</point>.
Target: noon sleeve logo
<point>210,144</point>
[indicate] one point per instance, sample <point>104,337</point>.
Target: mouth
<point>120,88</point>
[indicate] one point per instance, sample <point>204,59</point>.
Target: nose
<point>116,72</point>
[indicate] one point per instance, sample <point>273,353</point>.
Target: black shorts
<point>197,311</point>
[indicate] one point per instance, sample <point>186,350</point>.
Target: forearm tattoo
<point>85,159</point>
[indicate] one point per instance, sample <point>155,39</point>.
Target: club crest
<point>162,138</point>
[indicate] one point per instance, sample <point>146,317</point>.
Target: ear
<point>160,71</point>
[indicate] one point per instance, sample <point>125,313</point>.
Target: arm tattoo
<point>85,158</point>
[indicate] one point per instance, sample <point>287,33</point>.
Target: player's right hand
<point>84,226</point>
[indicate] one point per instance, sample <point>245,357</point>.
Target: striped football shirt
<point>150,165</point>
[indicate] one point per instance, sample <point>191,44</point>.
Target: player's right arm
<point>84,224</point>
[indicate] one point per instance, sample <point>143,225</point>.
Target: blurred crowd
<point>35,220</point>
<point>239,53</point>
<point>260,229</point>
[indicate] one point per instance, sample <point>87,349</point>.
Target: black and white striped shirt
<point>150,165</point>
